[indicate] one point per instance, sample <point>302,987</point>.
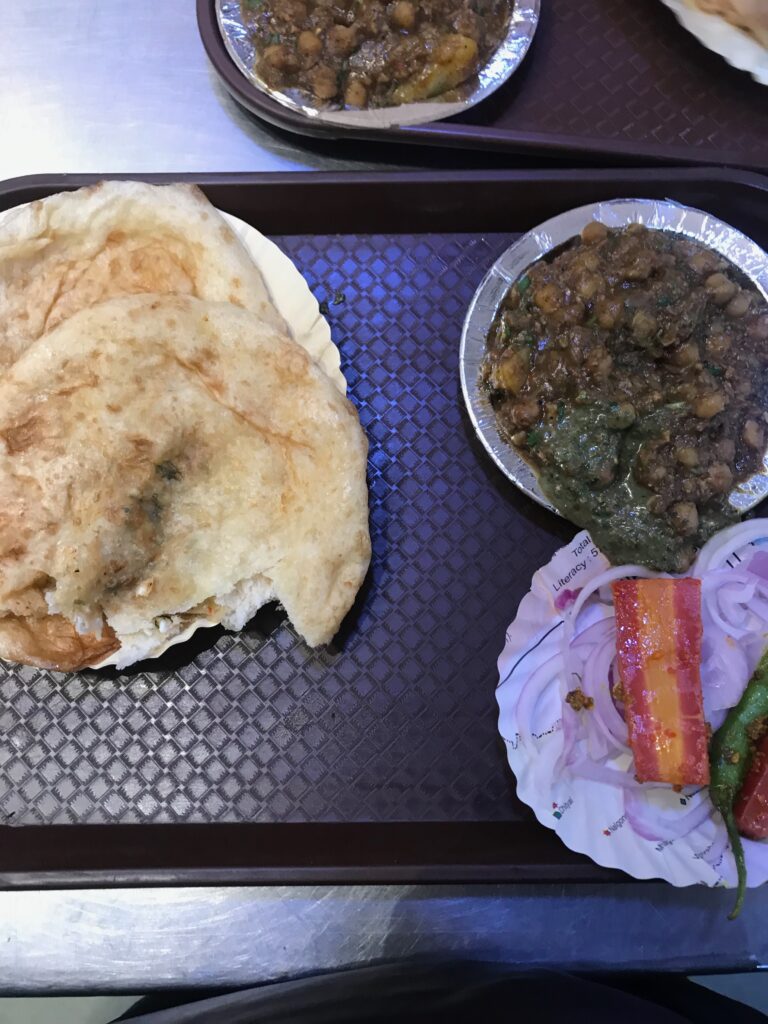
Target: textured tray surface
<point>602,70</point>
<point>400,723</point>
<point>623,79</point>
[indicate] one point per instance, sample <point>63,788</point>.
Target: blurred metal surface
<point>126,87</point>
<point>137,940</point>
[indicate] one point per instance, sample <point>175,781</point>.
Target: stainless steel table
<point>111,87</point>
<point>135,940</point>
<point>124,87</point>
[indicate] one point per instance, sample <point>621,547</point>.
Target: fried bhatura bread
<point>749,15</point>
<point>166,461</point>
<point>75,249</point>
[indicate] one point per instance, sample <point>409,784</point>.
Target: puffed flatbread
<point>74,249</point>
<point>166,462</point>
<point>749,15</point>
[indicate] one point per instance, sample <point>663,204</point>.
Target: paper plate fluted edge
<point>293,299</point>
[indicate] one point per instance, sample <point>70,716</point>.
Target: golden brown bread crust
<point>749,15</point>
<point>165,460</point>
<point>72,250</point>
<point>52,642</point>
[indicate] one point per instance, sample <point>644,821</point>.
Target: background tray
<point>614,79</point>
<point>252,758</point>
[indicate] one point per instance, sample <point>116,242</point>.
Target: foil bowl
<point>663,215</point>
<point>499,67</point>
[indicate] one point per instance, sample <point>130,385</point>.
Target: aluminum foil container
<point>740,49</point>
<point>499,67</point>
<point>662,215</point>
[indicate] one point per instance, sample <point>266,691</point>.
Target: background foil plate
<point>499,67</point>
<point>665,215</point>
<point>740,49</point>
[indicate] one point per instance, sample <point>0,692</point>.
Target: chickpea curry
<point>373,53</point>
<point>630,369</point>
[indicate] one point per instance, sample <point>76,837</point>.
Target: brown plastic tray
<point>251,758</point>
<point>616,79</point>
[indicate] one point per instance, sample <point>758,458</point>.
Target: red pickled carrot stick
<point>658,626</point>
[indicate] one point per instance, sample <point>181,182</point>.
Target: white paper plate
<point>301,312</point>
<point>737,47</point>
<point>293,299</point>
<point>590,816</point>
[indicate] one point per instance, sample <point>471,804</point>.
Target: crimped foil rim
<point>499,67</point>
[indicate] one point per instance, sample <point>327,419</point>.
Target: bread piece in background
<point>750,15</point>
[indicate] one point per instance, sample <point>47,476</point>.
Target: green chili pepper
<point>729,757</point>
<point>524,284</point>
